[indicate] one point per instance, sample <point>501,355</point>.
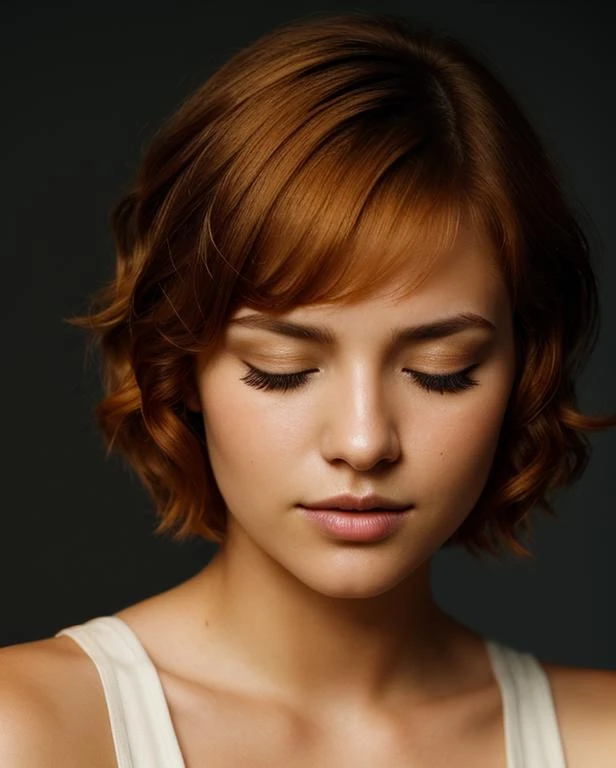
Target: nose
<point>358,426</point>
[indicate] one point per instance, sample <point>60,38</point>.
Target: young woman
<point>349,308</point>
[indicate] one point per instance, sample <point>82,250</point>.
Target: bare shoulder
<point>52,707</point>
<point>585,702</point>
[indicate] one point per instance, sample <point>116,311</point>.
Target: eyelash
<point>283,382</point>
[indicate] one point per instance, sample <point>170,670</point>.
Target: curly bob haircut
<point>318,163</point>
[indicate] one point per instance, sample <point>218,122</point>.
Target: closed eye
<point>445,382</point>
<point>456,381</point>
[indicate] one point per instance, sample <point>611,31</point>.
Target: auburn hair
<point>317,163</point>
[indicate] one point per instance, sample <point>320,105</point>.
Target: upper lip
<point>350,502</point>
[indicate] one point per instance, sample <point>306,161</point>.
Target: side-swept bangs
<point>332,157</point>
<point>345,218</point>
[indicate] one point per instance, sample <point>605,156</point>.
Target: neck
<point>301,645</point>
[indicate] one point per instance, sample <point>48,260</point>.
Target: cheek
<point>249,439</point>
<point>459,450</point>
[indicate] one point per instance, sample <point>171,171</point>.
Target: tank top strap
<point>143,733</point>
<point>532,734</point>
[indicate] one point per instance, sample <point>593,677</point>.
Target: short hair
<point>319,161</point>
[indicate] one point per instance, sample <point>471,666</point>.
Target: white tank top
<point>144,736</point>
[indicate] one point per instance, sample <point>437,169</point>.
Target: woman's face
<point>362,420</point>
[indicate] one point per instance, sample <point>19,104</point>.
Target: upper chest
<point>219,730</point>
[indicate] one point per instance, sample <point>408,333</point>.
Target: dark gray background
<point>85,87</point>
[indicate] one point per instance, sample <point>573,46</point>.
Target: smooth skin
<point>294,648</point>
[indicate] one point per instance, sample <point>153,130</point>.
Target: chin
<point>347,576</point>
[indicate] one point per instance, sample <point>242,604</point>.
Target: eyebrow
<point>438,329</point>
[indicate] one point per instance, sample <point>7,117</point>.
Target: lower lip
<point>356,526</point>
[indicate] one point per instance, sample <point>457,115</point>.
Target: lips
<point>350,503</point>
<point>366,526</point>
